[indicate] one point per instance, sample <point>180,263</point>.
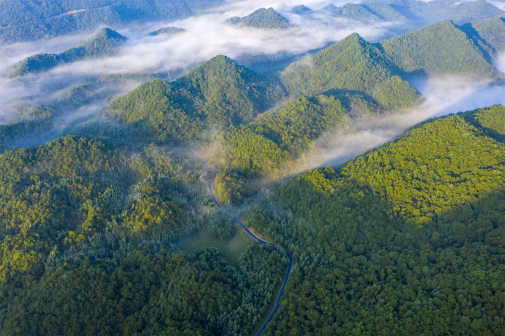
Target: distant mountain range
<point>30,20</point>
<point>167,31</point>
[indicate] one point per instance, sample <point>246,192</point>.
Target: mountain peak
<point>262,18</point>
<point>301,9</point>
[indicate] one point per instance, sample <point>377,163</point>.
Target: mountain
<point>424,13</point>
<point>351,11</point>
<point>301,9</point>
<point>269,147</point>
<point>105,43</point>
<point>388,243</point>
<point>261,18</point>
<point>32,20</point>
<point>440,48</point>
<point>352,65</point>
<point>220,92</point>
<point>167,31</point>
<point>488,34</point>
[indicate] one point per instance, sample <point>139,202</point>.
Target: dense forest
<point>104,43</point>
<point>261,18</point>
<point>352,64</point>
<point>440,48</point>
<point>30,20</point>
<point>218,93</point>
<point>87,242</point>
<point>111,223</point>
<point>405,239</point>
<point>415,14</point>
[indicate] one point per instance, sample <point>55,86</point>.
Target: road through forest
<point>253,236</point>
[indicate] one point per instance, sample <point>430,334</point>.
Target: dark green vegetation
<point>269,147</point>
<point>489,35</point>
<point>352,65</point>
<point>167,31</point>
<point>31,20</point>
<point>440,48</point>
<point>86,237</point>
<point>261,18</point>
<point>220,93</point>
<point>405,239</point>
<point>105,43</point>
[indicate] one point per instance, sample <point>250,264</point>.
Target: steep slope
<point>103,44</point>
<point>351,11</point>
<point>353,65</point>
<point>440,48</point>
<point>220,92</point>
<point>488,34</point>
<point>390,243</point>
<point>261,18</point>
<point>270,146</point>
<point>301,9</point>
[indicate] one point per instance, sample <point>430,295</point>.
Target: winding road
<point>253,236</point>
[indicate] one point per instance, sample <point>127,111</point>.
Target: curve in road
<point>253,236</point>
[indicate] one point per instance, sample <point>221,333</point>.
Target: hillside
<point>84,256</point>
<point>351,65</point>
<point>31,20</point>
<point>167,31</point>
<point>269,147</point>
<point>488,34</point>
<point>261,18</point>
<point>424,13</point>
<point>352,11</point>
<point>440,48</point>
<point>105,43</point>
<point>220,92</point>
<point>403,238</point>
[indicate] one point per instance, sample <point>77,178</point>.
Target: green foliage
<point>102,44</point>
<point>488,34</point>
<point>351,64</point>
<point>220,92</point>
<point>155,290</point>
<point>30,20</point>
<point>272,142</point>
<point>167,31</point>
<point>157,110</point>
<point>404,239</point>
<point>440,48</point>
<point>491,120</point>
<point>261,18</point>
<point>86,232</point>
<point>219,225</point>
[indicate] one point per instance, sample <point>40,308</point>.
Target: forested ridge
<point>355,65</point>
<point>261,18</point>
<point>405,239</point>
<point>438,49</point>
<point>104,43</point>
